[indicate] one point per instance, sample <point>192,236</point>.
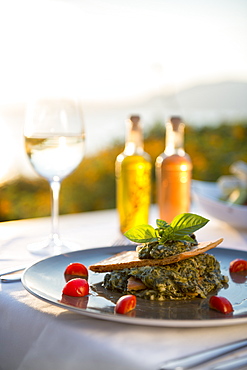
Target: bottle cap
<point>135,119</point>
<point>176,121</point>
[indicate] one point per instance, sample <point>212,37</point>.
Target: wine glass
<point>54,142</point>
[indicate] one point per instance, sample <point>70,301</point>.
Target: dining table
<point>36,334</point>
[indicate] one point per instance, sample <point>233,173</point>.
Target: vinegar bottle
<point>173,173</point>
<point>133,179</point>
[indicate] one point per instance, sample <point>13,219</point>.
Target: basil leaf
<point>188,223</point>
<point>162,224</point>
<point>168,234</point>
<point>180,228</point>
<point>142,234</point>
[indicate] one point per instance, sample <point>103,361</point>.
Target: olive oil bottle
<point>173,173</point>
<point>133,178</point>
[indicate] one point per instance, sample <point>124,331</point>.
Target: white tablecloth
<point>35,335</point>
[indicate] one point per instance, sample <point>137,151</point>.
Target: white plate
<point>207,195</point>
<point>45,280</point>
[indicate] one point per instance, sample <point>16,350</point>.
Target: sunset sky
<point>118,49</point>
<point>111,50</point>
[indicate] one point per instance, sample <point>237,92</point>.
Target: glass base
<point>52,246</point>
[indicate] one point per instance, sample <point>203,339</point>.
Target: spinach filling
<point>187,279</point>
<point>156,250</point>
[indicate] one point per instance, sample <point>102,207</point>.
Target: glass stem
<point>55,190</point>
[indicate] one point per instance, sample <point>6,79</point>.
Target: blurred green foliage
<point>92,186</point>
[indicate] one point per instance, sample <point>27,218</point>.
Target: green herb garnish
<point>179,229</point>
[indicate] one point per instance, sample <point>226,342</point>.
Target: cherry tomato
<point>125,304</point>
<point>238,265</point>
<point>220,304</point>
<point>74,270</point>
<point>76,287</point>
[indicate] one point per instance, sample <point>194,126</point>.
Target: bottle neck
<point>134,137</point>
<point>175,137</point>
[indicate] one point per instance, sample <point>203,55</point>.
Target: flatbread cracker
<point>130,259</point>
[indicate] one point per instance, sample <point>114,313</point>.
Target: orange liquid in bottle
<point>174,180</point>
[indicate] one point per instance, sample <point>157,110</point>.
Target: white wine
<point>54,142</point>
<point>55,157</point>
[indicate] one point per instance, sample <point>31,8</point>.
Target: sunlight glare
<point>103,51</point>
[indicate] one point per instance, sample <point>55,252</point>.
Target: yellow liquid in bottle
<point>173,185</point>
<point>133,176</point>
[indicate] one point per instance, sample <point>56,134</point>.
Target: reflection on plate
<point>207,195</point>
<point>45,280</point>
